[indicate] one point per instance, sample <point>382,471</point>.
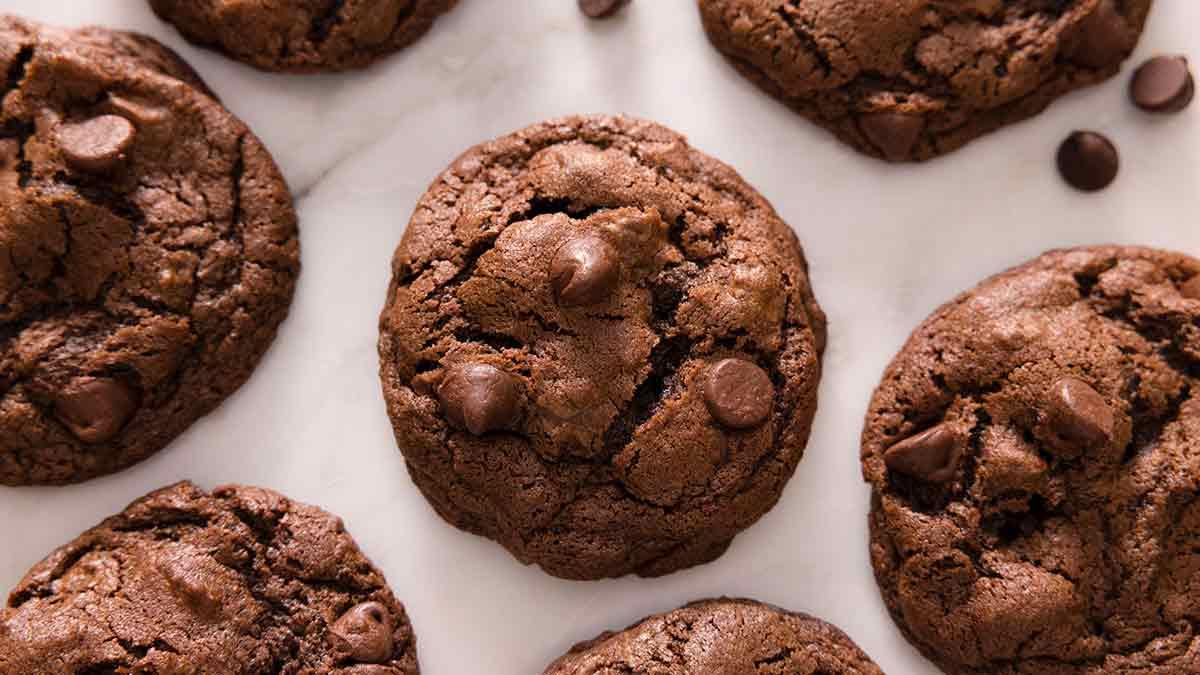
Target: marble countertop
<point>887,245</point>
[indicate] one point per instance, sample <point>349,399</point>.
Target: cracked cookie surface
<point>303,35</point>
<point>1034,457</point>
<point>908,80</point>
<point>238,581</point>
<point>148,251</point>
<point>600,348</point>
<point>721,637</point>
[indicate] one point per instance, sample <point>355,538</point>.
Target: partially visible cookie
<point>600,348</point>
<point>1034,457</point>
<point>237,581</point>
<point>911,80</point>
<point>148,251</point>
<point>721,637</point>
<point>303,35</point>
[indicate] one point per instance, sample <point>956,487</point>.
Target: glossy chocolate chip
<point>1103,38</point>
<point>598,9</point>
<point>1163,85</point>
<point>95,409</point>
<point>479,398</point>
<point>98,144</point>
<point>738,393</point>
<point>932,455</point>
<point>1078,413</point>
<point>894,134</point>
<point>584,271</point>
<point>1088,161</point>
<point>364,633</point>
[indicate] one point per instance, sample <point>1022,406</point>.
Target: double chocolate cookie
<point>1034,456</point>
<point>238,581</point>
<point>719,637</point>
<point>913,79</point>
<point>600,348</point>
<point>303,35</point>
<point>148,251</point>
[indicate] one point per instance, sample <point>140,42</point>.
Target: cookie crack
<point>323,22</point>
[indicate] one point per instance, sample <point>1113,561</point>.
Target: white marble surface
<point>886,244</point>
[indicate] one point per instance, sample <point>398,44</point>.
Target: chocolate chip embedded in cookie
<point>908,81</point>
<point>240,581</point>
<point>149,251</point>
<point>303,35</point>
<point>720,636</point>
<point>1032,454</point>
<point>96,144</point>
<point>738,393</point>
<point>599,348</point>
<point>364,634</point>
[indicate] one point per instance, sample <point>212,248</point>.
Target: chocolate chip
<point>1163,85</point>
<point>584,271</point>
<point>1088,161</point>
<point>95,409</point>
<point>364,633</point>
<point>1103,38</point>
<point>98,144</point>
<point>932,455</point>
<point>738,393</point>
<point>479,397</point>
<point>1191,288</point>
<point>1078,413</point>
<point>598,9</point>
<point>894,134</point>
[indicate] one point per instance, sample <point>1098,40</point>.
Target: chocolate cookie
<point>241,580</point>
<point>915,79</point>
<point>303,35</point>
<point>600,348</point>
<point>720,637</point>
<point>148,251</point>
<point>1033,455</point>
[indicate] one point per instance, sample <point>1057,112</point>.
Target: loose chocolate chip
<point>1088,161</point>
<point>598,9</point>
<point>479,397</point>
<point>1079,413</point>
<point>95,409</point>
<point>98,144</point>
<point>738,393</point>
<point>1163,84</point>
<point>894,134</point>
<point>1103,38</point>
<point>364,633</point>
<point>584,271</point>
<point>932,455</point>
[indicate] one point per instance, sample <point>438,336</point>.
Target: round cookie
<point>1032,453</point>
<point>600,348</point>
<point>148,251</point>
<point>721,637</point>
<point>240,580</point>
<point>913,79</point>
<point>303,36</point>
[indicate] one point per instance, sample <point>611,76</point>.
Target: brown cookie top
<point>303,35</point>
<point>1032,452</point>
<point>600,348</point>
<point>915,79</point>
<point>148,250</point>
<point>240,580</point>
<point>721,637</point>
